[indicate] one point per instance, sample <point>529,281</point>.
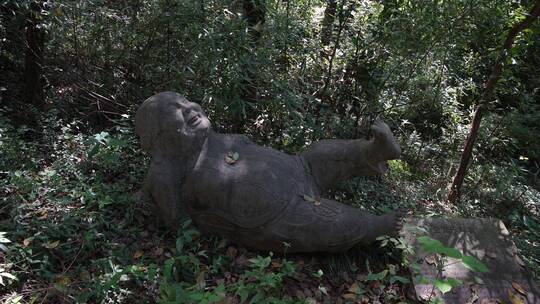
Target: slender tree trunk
<point>328,22</point>
<point>457,181</point>
<point>332,55</point>
<point>33,64</point>
<point>254,12</point>
<point>283,61</point>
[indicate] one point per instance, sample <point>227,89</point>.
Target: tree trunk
<point>328,22</point>
<point>33,64</point>
<point>332,55</point>
<point>457,181</point>
<point>254,12</point>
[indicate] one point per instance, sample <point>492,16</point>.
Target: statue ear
<point>147,124</point>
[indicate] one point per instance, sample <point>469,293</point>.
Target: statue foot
<point>385,141</point>
<point>394,222</point>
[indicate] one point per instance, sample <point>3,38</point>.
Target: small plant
<point>4,274</point>
<point>437,256</point>
<point>260,284</point>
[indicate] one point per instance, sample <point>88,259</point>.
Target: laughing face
<point>183,120</point>
<point>184,116</point>
<point>169,119</point>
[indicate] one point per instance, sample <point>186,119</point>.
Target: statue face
<point>184,118</point>
<point>169,123</point>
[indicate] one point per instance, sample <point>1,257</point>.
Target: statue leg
<point>385,142</point>
<point>335,160</point>
<point>324,225</point>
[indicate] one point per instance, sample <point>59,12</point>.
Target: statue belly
<point>249,193</point>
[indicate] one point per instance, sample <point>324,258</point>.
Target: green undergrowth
<point>73,230</point>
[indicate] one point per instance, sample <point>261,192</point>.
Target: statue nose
<point>191,107</point>
<point>187,110</point>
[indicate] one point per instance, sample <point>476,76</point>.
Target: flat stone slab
<point>507,280</point>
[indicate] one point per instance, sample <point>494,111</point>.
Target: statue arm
<point>164,192</point>
<point>335,160</point>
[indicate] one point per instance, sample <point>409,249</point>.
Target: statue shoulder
<point>243,139</point>
<point>163,171</point>
<point>229,139</point>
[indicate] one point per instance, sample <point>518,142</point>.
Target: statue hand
<point>385,141</point>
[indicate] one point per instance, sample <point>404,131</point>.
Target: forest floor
<point>74,231</point>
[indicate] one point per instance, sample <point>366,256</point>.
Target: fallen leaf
<point>308,198</point>
<point>201,282</point>
<point>515,298</point>
<point>27,241</point>
<point>231,157</point>
<point>231,252</point>
<point>430,259</point>
<point>519,288</point>
<point>349,296</point>
<point>354,288</point>
<point>489,301</point>
<point>137,254</point>
<point>63,280</point>
<point>85,275</point>
<point>276,264</point>
<point>52,245</point>
<point>478,280</point>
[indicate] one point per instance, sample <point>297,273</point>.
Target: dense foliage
<point>72,227</point>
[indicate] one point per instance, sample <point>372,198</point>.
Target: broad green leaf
<point>257,298</point>
<point>430,245</point>
<point>377,276</point>
<point>451,252</point>
<point>474,264</point>
<point>400,279</point>
<point>179,245</point>
<point>435,246</point>
<point>308,198</point>
<point>95,149</point>
<point>196,296</point>
<point>167,269</point>
<point>443,286</point>
<point>454,282</point>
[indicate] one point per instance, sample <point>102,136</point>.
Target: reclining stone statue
<point>254,195</point>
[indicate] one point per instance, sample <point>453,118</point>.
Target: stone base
<point>507,280</point>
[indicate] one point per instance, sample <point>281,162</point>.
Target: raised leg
<point>334,160</point>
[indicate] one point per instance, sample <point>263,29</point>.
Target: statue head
<point>169,123</point>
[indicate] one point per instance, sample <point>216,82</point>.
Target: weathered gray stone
<point>254,195</point>
<point>485,239</point>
